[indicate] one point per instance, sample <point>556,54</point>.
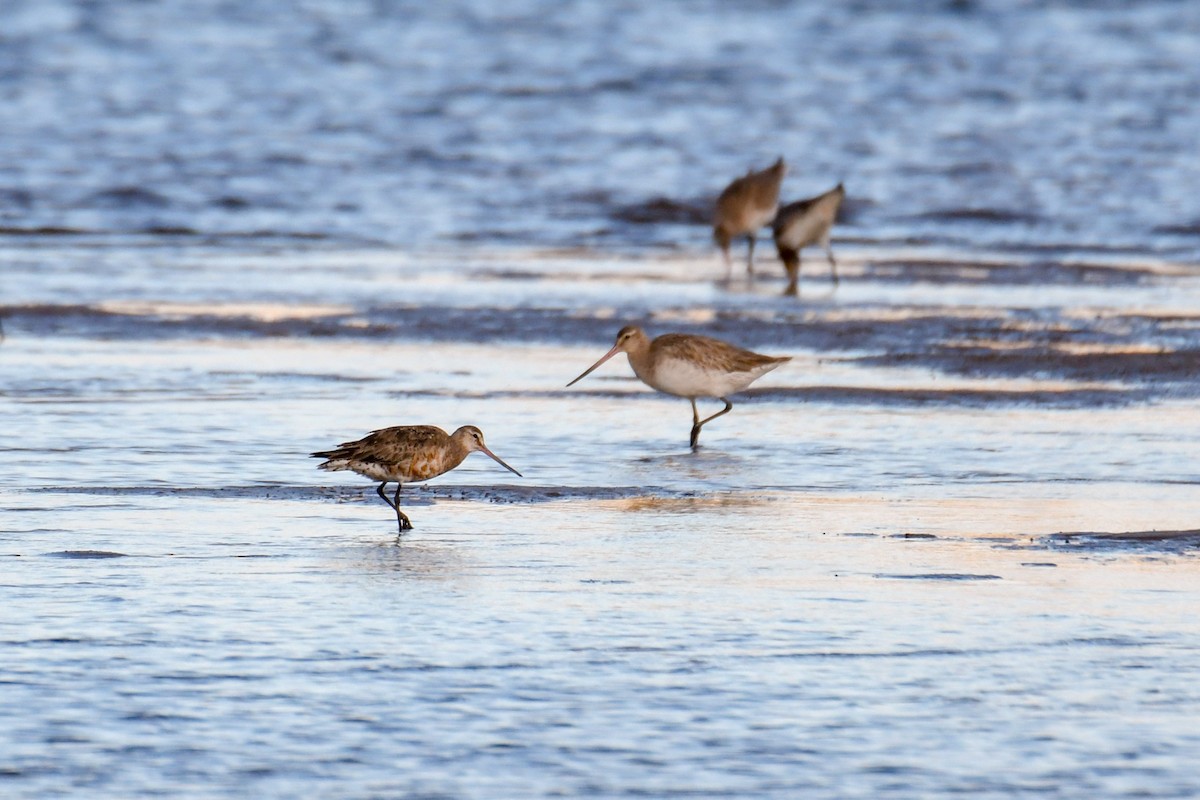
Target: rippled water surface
<point>1040,125</point>
<point>950,548</point>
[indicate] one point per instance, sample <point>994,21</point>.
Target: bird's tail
<point>334,459</point>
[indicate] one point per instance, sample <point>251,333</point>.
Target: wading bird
<point>686,365</point>
<point>404,454</point>
<point>802,223</point>
<point>746,205</point>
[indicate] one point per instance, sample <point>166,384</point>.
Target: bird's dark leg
<point>379,490</point>
<point>750,256</point>
<point>695,423</point>
<point>791,263</point>
<point>402,520</point>
<point>698,425</point>
<point>832,263</point>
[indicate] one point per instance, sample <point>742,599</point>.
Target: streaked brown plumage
<point>404,454</point>
<point>746,205</point>
<point>803,223</point>
<point>691,366</point>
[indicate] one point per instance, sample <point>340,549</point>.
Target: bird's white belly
<point>684,378</point>
<point>803,232</point>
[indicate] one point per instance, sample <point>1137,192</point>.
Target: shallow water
<point>951,547</point>
<point>884,574</point>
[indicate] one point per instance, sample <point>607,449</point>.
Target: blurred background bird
<point>804,223</point>
<point>746,205</point>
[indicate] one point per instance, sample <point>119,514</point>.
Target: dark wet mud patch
<point>592,277</point>
<point>951,577</point>
<point>1179,367</point>
<point>658,210</point>
<point>963,398</point>
<point>998,216</point>
<point>1151,536</point>
<point>1185,229</point>
<point>933,652</point>
<point>152,236</point>
<point>1174,541</point>
<point>41,230</point>
<point>416,494</point>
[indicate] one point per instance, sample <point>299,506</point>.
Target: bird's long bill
<point>616,349</point>
<point>499,461</point>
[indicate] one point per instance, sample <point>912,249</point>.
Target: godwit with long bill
<point>404,454</point>
<point>691,366</point>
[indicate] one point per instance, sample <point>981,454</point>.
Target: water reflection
<point>413,557</point>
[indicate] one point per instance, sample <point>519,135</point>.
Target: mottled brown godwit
<point>404,454</point>
<point>746,205</point>
<point>685,365</point>
<point>802,223</point>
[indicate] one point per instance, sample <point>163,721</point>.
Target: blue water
<point>1036,125</point>
<point>949,549</point>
